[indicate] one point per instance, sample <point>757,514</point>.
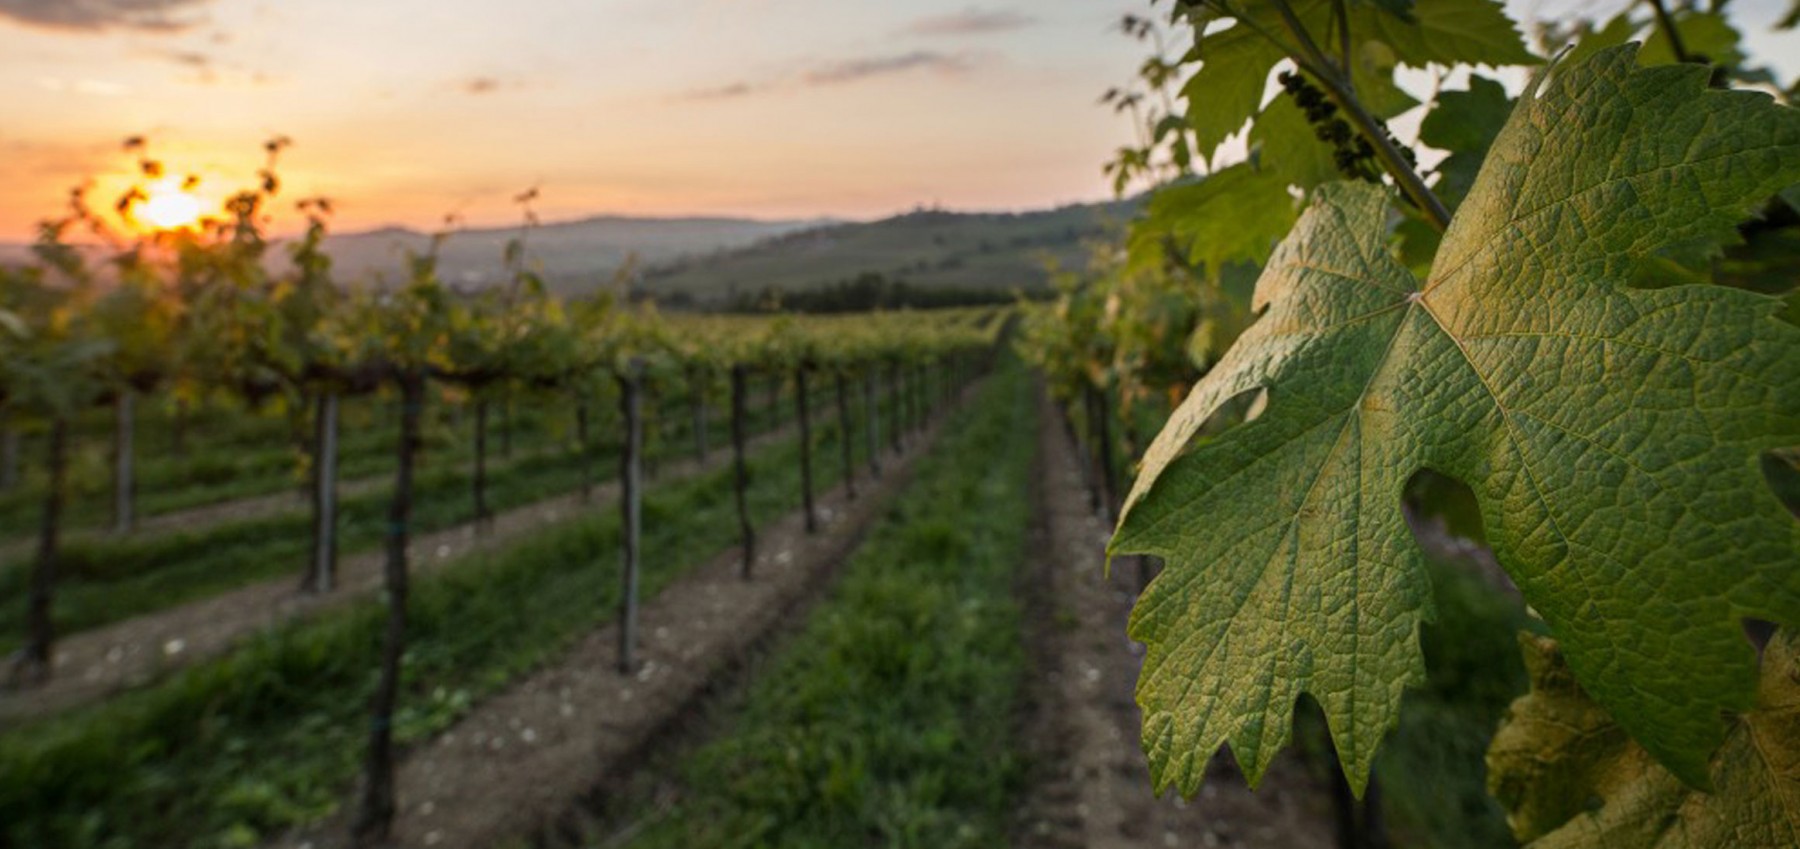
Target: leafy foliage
<point>1611,435</point>
<point>1572,778</point>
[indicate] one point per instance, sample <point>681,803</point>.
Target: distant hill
<point>572,255</point>
<point>714,262</point>
<point>928,249</point>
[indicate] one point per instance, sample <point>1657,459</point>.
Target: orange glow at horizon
<point>167,205</point>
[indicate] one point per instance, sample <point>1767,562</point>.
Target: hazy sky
<point>403,110</point>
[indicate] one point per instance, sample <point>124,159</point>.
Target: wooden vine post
<point>844,434</point>
<point>586,449</point>
<point>631,510</point>
<point>322,577</point>
<point>802,408</point>
<point>740,472</point>
<point>124,453</point>
<point>700,446</point>
<point>895,397</point>
<point>872,431</point>
<point>40,625</point>
<point>479,481</point>
<point>376,814</point>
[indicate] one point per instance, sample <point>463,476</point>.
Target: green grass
<point>271,735</point>
<point>888,720</point>
<point>102,581</point>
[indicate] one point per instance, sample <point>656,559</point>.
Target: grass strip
<point>888,720</point>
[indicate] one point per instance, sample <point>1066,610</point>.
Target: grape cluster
<point>1353,155</point>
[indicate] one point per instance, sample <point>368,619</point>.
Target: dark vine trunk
<point>631,511</point>
<point>9,456</point>
<point>872,420</point>
<point>40,626</point>
<point>1091,421</point>
<point>376,814</point>
<point>478,486</point>
<point>774,400</point>
<point>921,398</point>
<point>700,446</point>
<point>844,443</point>
<point>178,429</point>
<point>1108,463</point>
<point>506,429</point>
<point>1359,825</point>
<point>124,453</point>
<point>652,431</point>
<point>741,472</point>
<point>322,576</point>
<point>806,479</point>
<point>894,399</point>
<point>586,449</point>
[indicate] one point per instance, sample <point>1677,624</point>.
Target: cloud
<point>98,15</point>
<point>724,92</point>
<point>486,85</point>
<point>971,22</point>
<point>189,58</point>
<point>840,73</point>
<point>854,70</point>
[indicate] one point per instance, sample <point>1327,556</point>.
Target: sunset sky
<point>403,110</point>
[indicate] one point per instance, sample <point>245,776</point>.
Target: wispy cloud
<point>188,58</point>
<point>854,70</point>
<point>971,22</point>
<point>730,91</point>
<point>480,85</point>
<point>98,15</point>
<point>841,72</point>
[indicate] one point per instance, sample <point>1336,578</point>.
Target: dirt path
<point>1093,786</point>
<point>94,664</point>
<point>525,757</point>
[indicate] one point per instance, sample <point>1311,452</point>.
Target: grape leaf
<point>1611,435</point>
<point>1448,32</point>
<point>1286,146</point>
<point>1558,753</point>
<point>1464,123</point>
<point>1227,89</point>
<point>1235,214</point>
<point>1615,32</point>
<point>1706,34</point>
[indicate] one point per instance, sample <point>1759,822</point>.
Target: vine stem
<point>1338,88</point>
<point>1667,23</point>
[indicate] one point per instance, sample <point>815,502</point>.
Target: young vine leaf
<point>1465,124</point>
<point>1262,213</point>
<point>1558,753</point>
<point>1612,435</point>
<point>1235,62</point>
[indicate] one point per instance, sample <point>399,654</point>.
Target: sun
<point>169,206</point>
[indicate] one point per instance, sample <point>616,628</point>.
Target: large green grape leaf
<point>1611,435</point>
<point>1558,753</point>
